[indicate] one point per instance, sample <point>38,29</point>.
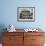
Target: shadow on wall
<point>2,26</point>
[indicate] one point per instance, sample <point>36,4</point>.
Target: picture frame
<point>26,14</point>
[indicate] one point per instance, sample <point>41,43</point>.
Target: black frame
<point>19,9</point>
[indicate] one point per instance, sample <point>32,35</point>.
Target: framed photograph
<point>26,14</point>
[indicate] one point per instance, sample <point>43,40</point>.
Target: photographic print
<point>26,14</point>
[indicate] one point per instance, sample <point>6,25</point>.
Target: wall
<point>9,13</point>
